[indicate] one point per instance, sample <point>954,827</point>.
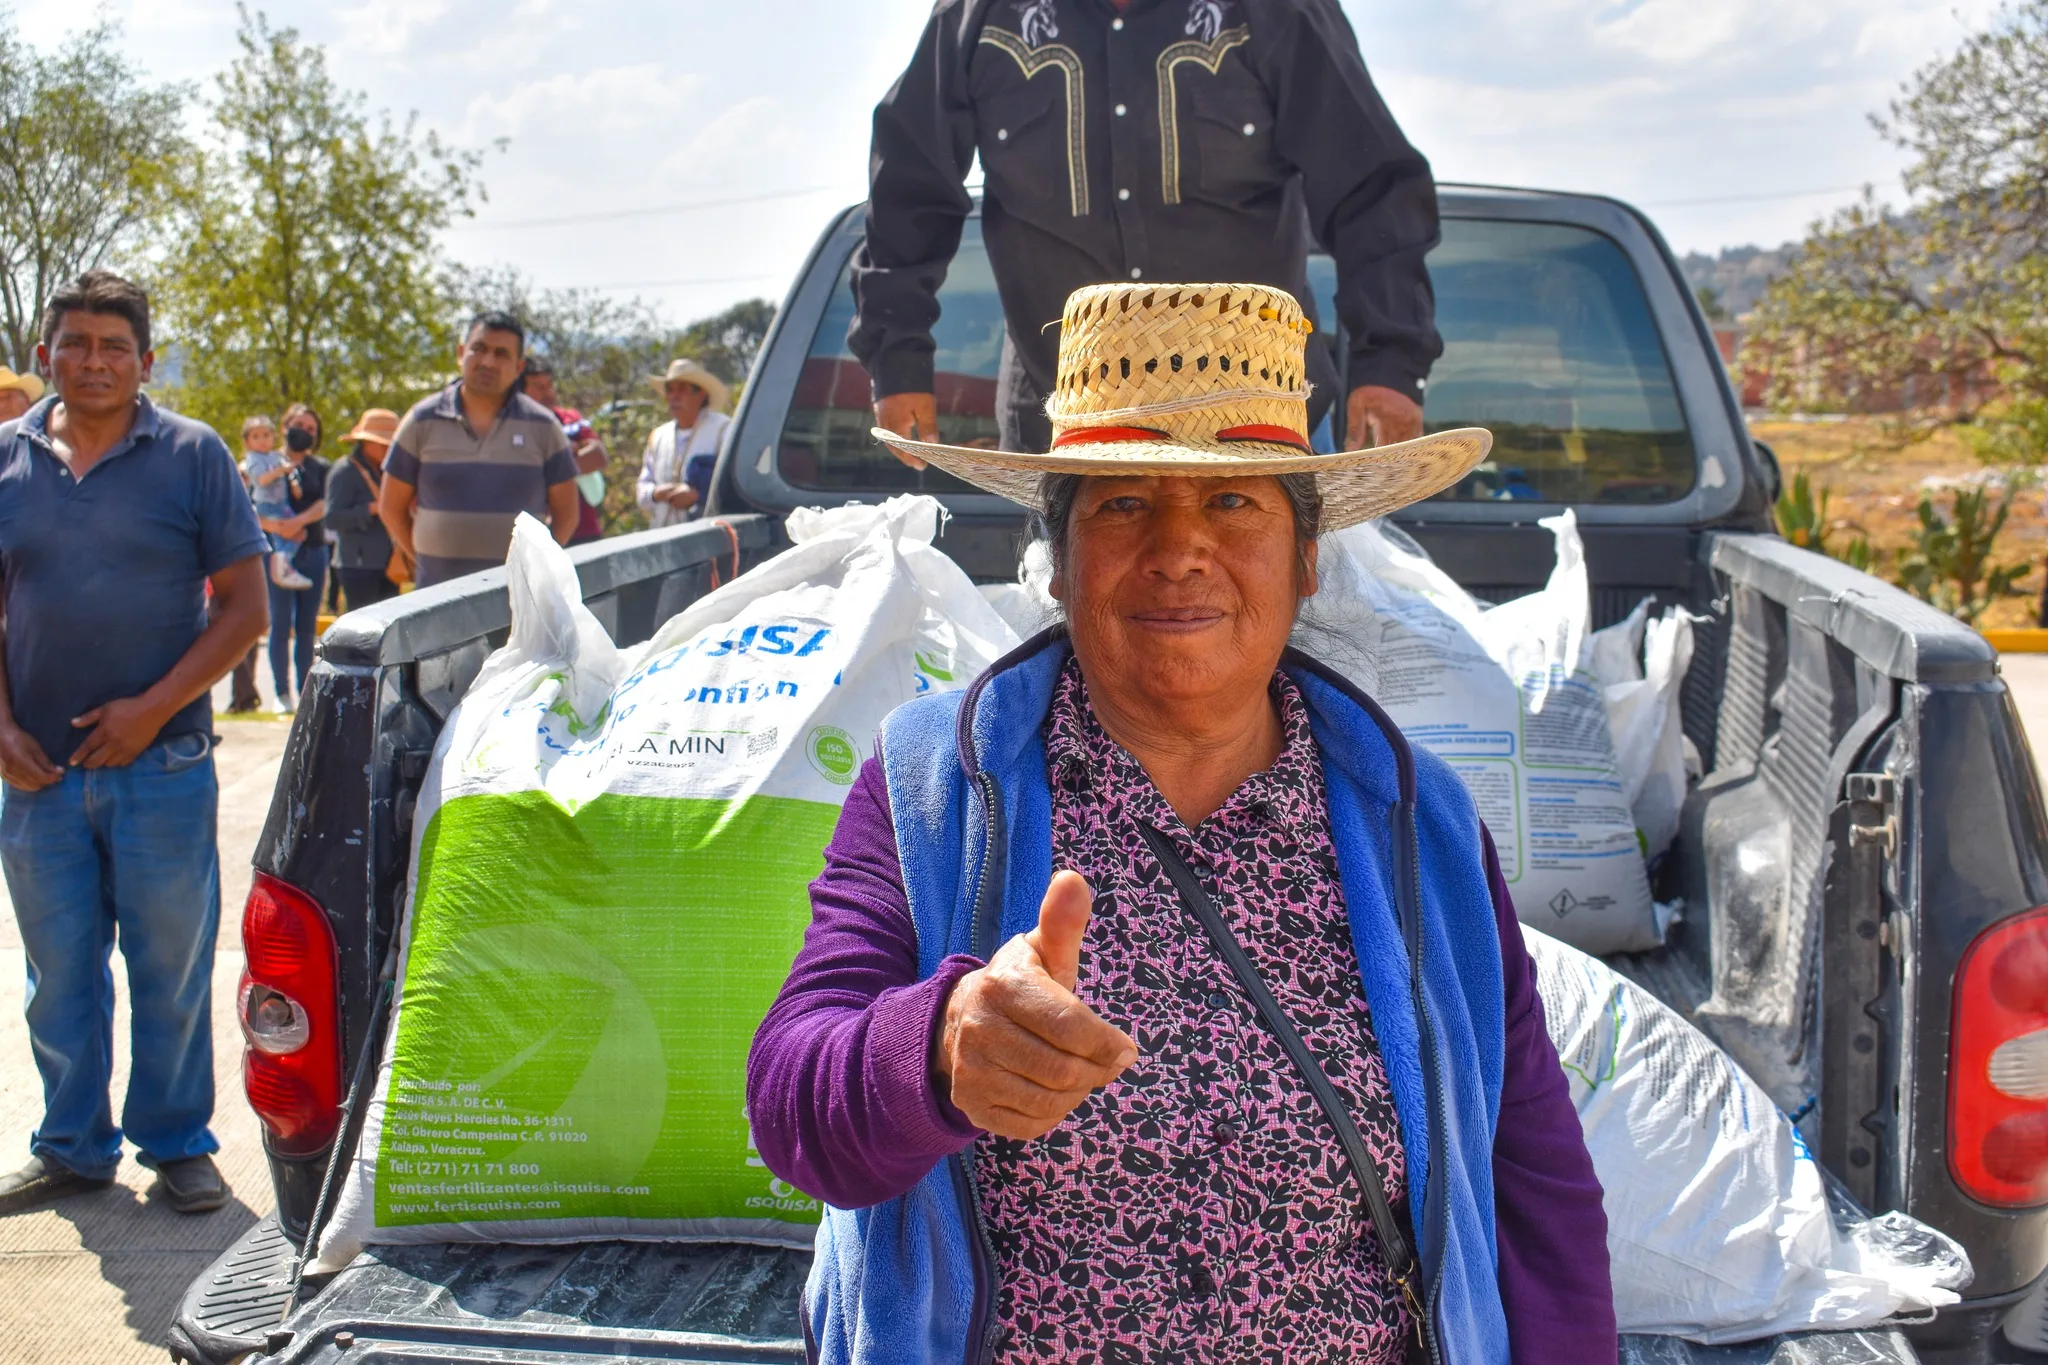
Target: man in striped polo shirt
<point>467,461</point>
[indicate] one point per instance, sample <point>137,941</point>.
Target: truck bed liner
<point>710,1302</point>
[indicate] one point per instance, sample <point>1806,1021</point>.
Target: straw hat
<point>30,385</point>
<point>375,424</point>
<point>690,372</point>
<point>1201,380</point>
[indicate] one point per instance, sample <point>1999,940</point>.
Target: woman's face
<point>373,451</point>
<point>303,422</point>
<point>1179,590</point>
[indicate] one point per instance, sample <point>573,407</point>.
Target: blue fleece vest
<point>908,1281</point>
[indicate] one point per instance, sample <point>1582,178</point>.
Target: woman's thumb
<point>1062,923</point>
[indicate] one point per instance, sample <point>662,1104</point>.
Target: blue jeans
<point>295,621</point>
<point>125,852</point>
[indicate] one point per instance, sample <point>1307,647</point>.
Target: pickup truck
<point>1861,862</point>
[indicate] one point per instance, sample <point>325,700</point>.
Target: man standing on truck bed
<point>114,518</point>
<point>1144,140</point>
<point>468,460</point>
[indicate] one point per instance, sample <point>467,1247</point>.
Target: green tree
<point>603,349</point>
<point>1953,293</point>
<point>308,268</point>
<point>727,343</point>
<point>606,350</point>
<point>88,148</point>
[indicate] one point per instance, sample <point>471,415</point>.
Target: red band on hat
<point>1270,435</point>
<point>1103,435</point>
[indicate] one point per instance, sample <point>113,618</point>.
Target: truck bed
<point>600,1301</point>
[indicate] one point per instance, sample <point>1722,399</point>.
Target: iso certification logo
<point>832,753</point>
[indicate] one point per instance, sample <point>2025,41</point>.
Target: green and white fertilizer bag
<point>1721,1226</point>
<point>610,859</point>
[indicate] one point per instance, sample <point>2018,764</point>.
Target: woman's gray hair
<point>1058,492</point>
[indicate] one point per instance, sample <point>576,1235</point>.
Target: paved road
<point>96,1280</point>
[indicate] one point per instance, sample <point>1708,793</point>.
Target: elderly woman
<point>1259,1073</point>
<point>363,555</point>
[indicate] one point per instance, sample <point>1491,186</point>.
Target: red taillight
<point>1998,1065</point>
<point>290,1019</point>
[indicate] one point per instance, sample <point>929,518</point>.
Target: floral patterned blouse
<point>1200,1208</point>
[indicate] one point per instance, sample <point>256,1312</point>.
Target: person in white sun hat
<point>675,471</point>
<point>1157,990</point>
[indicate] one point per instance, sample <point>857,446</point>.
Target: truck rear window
<point>1548,341</point>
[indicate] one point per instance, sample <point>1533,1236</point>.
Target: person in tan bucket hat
<point>1108,1016</point>
<point>1199,380</point>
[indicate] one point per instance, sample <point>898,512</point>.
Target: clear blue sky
<point>1731,121</point>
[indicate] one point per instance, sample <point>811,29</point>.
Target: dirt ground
<point>1875,484</point>
<point>95,1279</point>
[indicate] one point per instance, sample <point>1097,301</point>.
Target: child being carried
<point>268,474</point>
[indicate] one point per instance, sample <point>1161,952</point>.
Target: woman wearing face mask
<point>295,612</point>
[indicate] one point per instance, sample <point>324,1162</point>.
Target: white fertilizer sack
<point>1504,695</point>
<point>1027,605</point>
<point>610,860</point>
<point>1718,1220</point>
<point>1640,665</point>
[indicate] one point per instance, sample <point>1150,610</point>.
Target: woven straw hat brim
<point>1357,485</point>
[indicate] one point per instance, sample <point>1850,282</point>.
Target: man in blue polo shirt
<point>114,518</point>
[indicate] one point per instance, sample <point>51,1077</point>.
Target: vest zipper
<point>1411,924</point>
<point>981,1326</point>
<point>987,920</point>
<point>983,929</point>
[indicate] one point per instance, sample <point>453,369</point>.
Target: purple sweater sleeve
<point>1549,1224</point>
<point>840,1088</point>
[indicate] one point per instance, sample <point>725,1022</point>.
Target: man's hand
<point>592,457</point>
<point>395,505</point>
<point>565,506</point>
<point>915,415</point>
<point>121,730</point>
<point>1379,417</point>
<point>680,496</point>
<point>1018,1047</point>
<point>23,763</point>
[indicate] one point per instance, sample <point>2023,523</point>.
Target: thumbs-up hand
<point>1018,1047</point>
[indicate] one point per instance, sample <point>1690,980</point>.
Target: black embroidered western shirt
<point>1173,140</point>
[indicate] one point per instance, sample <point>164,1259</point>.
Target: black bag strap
<point>1393,1241</point>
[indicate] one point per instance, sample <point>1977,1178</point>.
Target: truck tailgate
<point>510,1305</point>
<point>503,1303</point>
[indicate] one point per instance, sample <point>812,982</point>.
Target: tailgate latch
<point>1872,821</point>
